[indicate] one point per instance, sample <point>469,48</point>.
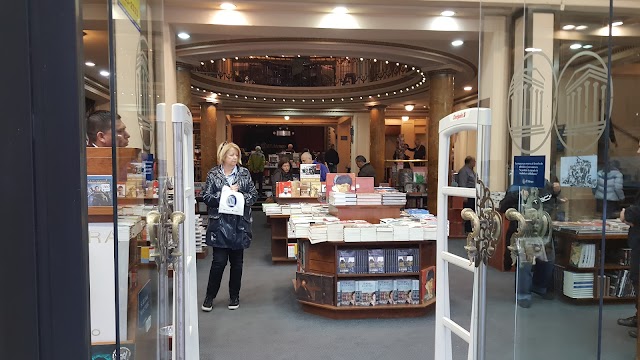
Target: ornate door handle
<point>153,219</point>
<point>514,215</point>
<point>177,218</point>
<point>470,215</point>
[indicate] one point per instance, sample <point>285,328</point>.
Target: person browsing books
<point>332,158</point>
<point>227,234</point>
<point>366,169</point>
<point>99,130</point>
<point>283,173</point>
<point>306,158</point>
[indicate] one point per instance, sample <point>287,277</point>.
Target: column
<point>183,82</point>
<point>376,122</point>
<point>440,105</point>
<point>361,144</point>
<point>208,141</point>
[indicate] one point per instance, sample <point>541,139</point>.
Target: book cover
<point>405,260</point>
<point>346,261</point>
<point>283,189</point>
<point>328,290</point>
<point>386,292</point>
<point>364,185</point>
<point>403,291</point>
<point>99,190</point>
<point>315,288</point>
<point>368,290</point>
<point>121,189</point>
<point>376,261</point>
<point>310,172</point>
<point>428,281</point>
<point>415,292</point>
<point>344,183</point>
<point>135,170</point>
<point>347,293</point>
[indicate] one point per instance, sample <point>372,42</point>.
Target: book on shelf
<point>386,292</point>
<point>99,190</point>
<point>582,255</point>
<point>403,291</point>
<point>310,172</point>
<point>340,183</point>
<point>376,261</point>
<point>366,292</point>
<point>415,292</point>
<point>365,185</point>
<point>578,285</point>
<point>292,250</point>
<point>315,288</point>
<point>428,283</point>
<point>346,261</point>
<point>347,291</point>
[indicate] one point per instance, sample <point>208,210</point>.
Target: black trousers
<point>634,270</point>
<point>258,178</point>
<point>220,258</point>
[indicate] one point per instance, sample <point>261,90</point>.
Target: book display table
<point>297,199</point>
<point>368,213</point>
<point>280,239</point>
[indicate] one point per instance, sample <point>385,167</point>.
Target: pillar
<point>377,127</point>
<point>208,141</point>
<point>183,83</point>
<point>361,142</point>
<point>440,105</point>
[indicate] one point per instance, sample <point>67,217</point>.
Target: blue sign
<point>144,307</point>
<point>528,171</point>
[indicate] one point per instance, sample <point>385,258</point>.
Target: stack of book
<point>378,261</point>
<point>578,285</point>
<point>317,233</point>
<point>583,255</point>
<point>416,232</point>
<point>351,233</point>
<point>335,231</point>
<point>368,199</point>
<point>400,232</point>
<point>338,198</point>
<point>368,232</point>
<point>200,233</point>
<point>378,292</point>
<point>384,232</point>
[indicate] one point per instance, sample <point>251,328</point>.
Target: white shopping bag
<point>231,202</point>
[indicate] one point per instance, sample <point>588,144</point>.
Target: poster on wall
<point>528,171</point>
<point>132,9</point>
<point>579,171</point>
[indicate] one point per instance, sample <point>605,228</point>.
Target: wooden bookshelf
<point>321,259</point>
<point>280,239</point>
<point>614,242</point>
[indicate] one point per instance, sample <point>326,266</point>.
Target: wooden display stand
<point>563,251</point>
<point>279,239</point>
<point>297,199</point>
<point>321,259</point>
<point>369,213</point>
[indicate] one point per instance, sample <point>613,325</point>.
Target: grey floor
<point>270,324</point>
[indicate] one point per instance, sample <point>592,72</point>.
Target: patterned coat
<point>225,230</point>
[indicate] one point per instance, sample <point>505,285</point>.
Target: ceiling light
<point>468,88</point>
<point>532,49</point>
<point>227,6</point>
<point>409,107</point>
<point>340,10</point>
<point>104,73</point>
<point>224,59</point>
<point>457,42</point>
<point>581,27</point>
<point>236,58</point>
<point>405,118</point>
<point>447,13</point>
<point>90,64</point>
<point>211,61</point>
<point>287,117</point>
<point>587,47</point>
<point>617,23</point>
<point>575,46</point>
<point>568,27</point>
<point>183,35</point>
<point>375,60</point>
<point>201,62</point>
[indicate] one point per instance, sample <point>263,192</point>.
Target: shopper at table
<point>227,234</point>
<point>283,172</point>
<point>366,169</point>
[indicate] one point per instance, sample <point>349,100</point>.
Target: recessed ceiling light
<point>211,61</point>
<point>90,64</point>
<point>287,117</point>
<point>617,23</point>
<point>581,27</point>
<point>568,27</point>
<point>340,10</point>
<point>457,42</point>
<point>587,47</point>
<point>532,49</point>
<point>468,88</point>
<point>201,62</point>
<point>575,46</point>
<point>228,6</point>
<point>409,107</point>
<point>104,73</point>
<point>183,35</point>
<point>405,118</point>
<point>447,13</point>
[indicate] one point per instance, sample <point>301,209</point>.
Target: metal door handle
<point>177,218</point>
<point>153,219</point>
<point>514,215</point>
<point>470,215</point>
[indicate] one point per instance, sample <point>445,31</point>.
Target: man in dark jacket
<point>332,158</point>
<point>419,153</point>
<point>631,217</point>
<point>366,169</point>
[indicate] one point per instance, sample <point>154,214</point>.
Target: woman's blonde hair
<point>224,148</point>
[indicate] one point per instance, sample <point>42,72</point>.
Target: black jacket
<point>332,157</point>
<point>632,216</point>
<point>419,152</point>
<point>225,230</point>
<point>367,170</point>
<point>279,176</point>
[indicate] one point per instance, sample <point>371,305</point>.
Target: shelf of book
<point>296,199</point>
<point>607,299</point>
<point>593,269</point>
<point>383,275</point>
<point>363,312</point>
<point>280,239</point>
<point>369,213</point>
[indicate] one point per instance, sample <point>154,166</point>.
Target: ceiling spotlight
<point>287,117</point>
<point>228,6</point>
<point>183,35</point>
<point>405,118</point>
<point>581,27</point>
<point>211,61</point>
<point>409,107</point>
<point>568,27</point>
<point>468,88</point>
<point>386,61</point>
<point>457,42</point>
<point>575,46</point>
<point>104,73</point>
<point>361,59</point>
<point>201,62</point>
<point>532,49</point>
<point>617,23</point>
<point>90,64</point>
<point>299,56</point>
<point>340,10</point>
<point>236,58</point>
<point>588,47</point>
<point>375,60</point>
<point>447,13</point>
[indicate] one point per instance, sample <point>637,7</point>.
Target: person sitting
<point>282,173</point>
<point>306,158</point>
<point>366,169</point>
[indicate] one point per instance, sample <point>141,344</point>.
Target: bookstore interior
<point>368,130</point>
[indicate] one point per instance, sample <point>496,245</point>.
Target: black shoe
<point>234,303</point>
<point>633,333</point>
<point>524,303</point>
<point>207,305</point>
<point>630,321</point>
<point>547,296</point>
